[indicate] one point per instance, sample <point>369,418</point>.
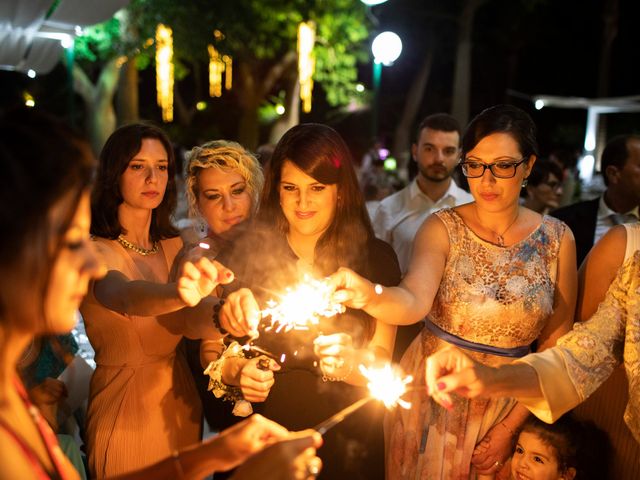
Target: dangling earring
<point>524,182</point>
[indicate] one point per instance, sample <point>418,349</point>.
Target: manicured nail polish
<point>441,385</point>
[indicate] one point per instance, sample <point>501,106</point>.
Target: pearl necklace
<point>142,251</point>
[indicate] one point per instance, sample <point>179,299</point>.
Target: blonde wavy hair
<point>226,156</point>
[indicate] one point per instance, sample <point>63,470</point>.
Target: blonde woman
<point>224,181</point>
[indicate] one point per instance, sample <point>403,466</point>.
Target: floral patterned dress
<point>489,295</point>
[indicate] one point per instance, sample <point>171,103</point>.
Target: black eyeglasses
<point>501,169</point>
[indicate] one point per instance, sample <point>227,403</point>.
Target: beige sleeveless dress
<point>143,404</point>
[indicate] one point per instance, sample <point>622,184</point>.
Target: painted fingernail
<point>441,385</point>
<point>228,274</point>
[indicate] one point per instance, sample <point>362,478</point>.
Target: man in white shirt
<point>436,152</point>
<point>398,217</point>
<point>590,220</point>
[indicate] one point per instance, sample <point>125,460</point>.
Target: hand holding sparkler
<point>199,278</point>
<point>256,378</point>
<point>240,314</point>
<point>336,355</point>
<point>385,385</point>
<point>451,371</point>
<point>351,289</point>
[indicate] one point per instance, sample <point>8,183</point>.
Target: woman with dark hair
<point>544,187</point>
<point>143,404</point>
<point>490,276</point>
<point>312,220</point>
<point>46,263</point>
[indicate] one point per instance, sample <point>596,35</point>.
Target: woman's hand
<point>240,314</point>
<point>241,441</point>
<point>336,355</point>
<point>449,370</point>
<point>199,278</point>
<point>351,289</point>
<point>291,459</point>
<point>493,451</point>
<point>256,378</point>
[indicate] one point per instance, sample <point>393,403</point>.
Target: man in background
<point>436,152</point>
<point>589,220</point>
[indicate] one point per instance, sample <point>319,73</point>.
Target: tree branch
<point>276,71</point>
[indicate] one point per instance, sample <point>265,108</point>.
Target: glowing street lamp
<point>386,49</point>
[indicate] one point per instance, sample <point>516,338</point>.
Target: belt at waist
<point>515,352</point>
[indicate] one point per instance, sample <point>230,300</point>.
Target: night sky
<point>530,47</point>
<point>523,46</point>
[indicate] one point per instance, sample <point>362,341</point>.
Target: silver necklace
<point>499,236</point>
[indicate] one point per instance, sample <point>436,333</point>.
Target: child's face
<point>535,460</point>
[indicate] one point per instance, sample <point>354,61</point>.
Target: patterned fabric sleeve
<point>585,357</point>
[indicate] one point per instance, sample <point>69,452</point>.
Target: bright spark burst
<point>302,306</point>
<point>386,385</point>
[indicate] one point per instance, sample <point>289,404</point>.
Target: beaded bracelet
<point>216,317</point>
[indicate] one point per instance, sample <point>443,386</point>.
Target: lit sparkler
<point>384,385</point>
<point>302,306</point>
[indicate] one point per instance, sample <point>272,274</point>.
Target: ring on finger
<point>313,468</point>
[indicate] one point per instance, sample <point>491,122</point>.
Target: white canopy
<point>31,40</point>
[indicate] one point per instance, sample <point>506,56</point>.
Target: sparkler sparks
<point>384,385</point>
<point>302,306</point>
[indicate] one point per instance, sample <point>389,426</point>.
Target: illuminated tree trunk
<point>98,101</point>
<point>402,137</point>
<point>291,116</point>
<point>127,89</point>
<point>252,93</point>
<point>462,73</point>
<point>127,94</point>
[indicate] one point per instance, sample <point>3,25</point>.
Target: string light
<point>216,67</point>
<point>228,71</point>
<point>164,71</point>
<point>219,64</point>
<point>306,62</point>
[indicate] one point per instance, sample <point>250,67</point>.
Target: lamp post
<point>386,49</point>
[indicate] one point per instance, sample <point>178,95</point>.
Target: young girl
<point>563,450</point>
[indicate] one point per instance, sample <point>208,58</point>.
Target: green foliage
<point>257,33</point>
<point>100,42</point>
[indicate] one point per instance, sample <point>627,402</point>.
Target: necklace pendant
<point>500,240</point>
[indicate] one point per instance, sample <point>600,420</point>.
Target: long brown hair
<point>120,148</point>
<point>320,152</point>
<point>43,163</point>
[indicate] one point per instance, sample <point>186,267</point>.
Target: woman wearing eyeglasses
<point>491,277</point>
<point>543,192</point>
